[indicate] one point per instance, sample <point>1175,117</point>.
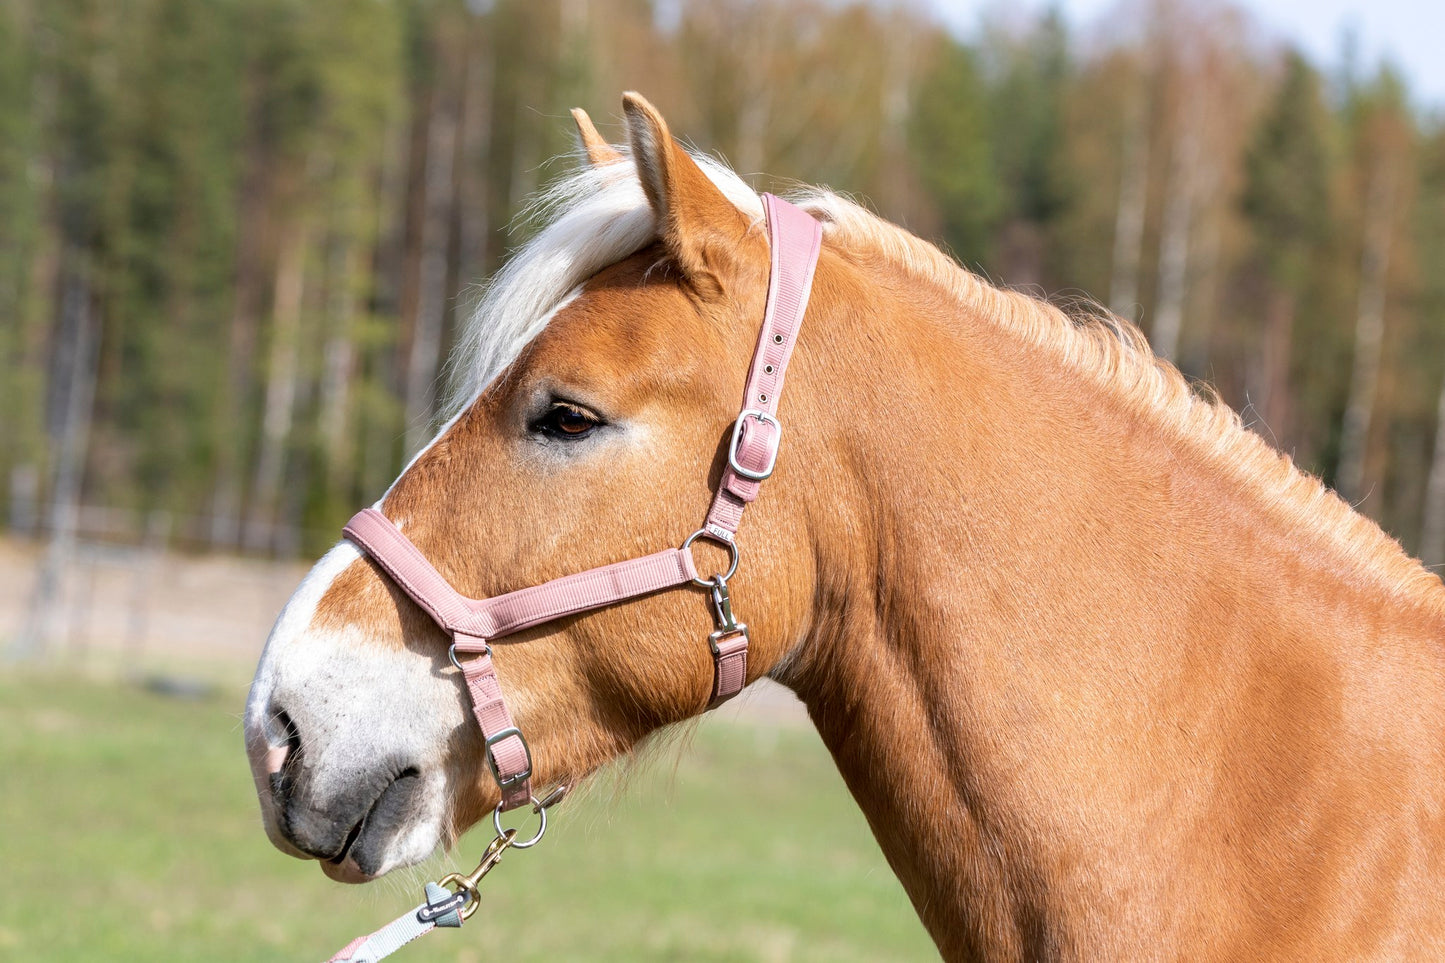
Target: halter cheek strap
<point>795,239</point>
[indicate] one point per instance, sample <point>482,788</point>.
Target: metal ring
<point>733,551</point>
<point>538,808</point>
<point>452,654</point>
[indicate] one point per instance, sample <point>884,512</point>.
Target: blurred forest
<point>236,236</point>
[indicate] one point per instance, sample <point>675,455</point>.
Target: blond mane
<point>1114,354</point>
<point>599,215</point>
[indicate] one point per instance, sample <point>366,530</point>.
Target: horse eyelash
<point>539,424</point>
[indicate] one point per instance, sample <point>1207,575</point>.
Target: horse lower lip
<point>346,871</point>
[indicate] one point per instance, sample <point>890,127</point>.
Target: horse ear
<point>599,152</point>
<point>698,225</point>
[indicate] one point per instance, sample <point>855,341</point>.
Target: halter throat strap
<point>795,240</point>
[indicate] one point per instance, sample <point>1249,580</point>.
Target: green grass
<point>129,831</point>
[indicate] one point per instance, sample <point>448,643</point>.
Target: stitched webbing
<point>511,760</point>
<point>730,668</point>
<point>502,615</point>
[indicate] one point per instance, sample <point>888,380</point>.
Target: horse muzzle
<point>358,824</point>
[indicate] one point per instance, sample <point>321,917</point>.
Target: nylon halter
<point>795,239</point>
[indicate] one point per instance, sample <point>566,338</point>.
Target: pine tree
<point>1026,131</point>
<point>1286,205</point>
<point>950,149</point>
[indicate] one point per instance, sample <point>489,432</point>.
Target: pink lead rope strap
<point>795,239</point>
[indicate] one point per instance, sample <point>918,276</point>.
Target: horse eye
<point>568,421</point>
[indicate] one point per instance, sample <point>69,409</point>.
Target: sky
<point>1409,32</point>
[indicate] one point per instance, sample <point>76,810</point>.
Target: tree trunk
<point>1129,216</point>
<point>1432,536</point>
<point>380,362</point>
<point>1369,335</point>
<point>31,259</point>
<point>898,69</point>
<point>233,411</point>
<point>339,363</point>
<point>1271,395</point>
<point>282,376</point>
<point>472,220</point>
<point>1174,247</point>
<point>526,145</point>
<point>76,370</point>
<point>1208,282</point>
<point>438,188</point>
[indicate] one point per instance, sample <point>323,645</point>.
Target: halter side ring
<point>733,552</point>
<point>537,808</point>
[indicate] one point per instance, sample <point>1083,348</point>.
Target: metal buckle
<point>722,604</point>
<point>762,416</point>
<point>714,638</point>
<point>492,740</point>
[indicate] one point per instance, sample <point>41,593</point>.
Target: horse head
<point>599,392</point>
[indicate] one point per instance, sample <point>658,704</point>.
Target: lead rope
<point>451,900</point>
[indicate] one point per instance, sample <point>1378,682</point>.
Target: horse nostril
<point>282,760</point>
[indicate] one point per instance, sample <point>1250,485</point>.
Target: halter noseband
<point>795,239</point>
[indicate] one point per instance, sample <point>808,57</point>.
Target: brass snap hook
<point>468,884</point>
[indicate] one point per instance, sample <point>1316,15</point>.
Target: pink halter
<point>795,238</point>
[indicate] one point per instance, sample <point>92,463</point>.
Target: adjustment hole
<point>767,369</point>
<point>777,339</point>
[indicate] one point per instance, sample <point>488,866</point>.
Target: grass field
<point>128,832</point>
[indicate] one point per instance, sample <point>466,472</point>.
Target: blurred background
<point>237,236</point>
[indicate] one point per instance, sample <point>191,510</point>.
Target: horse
<point>1109,677</point>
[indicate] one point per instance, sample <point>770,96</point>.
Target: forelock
<point>588,220</point>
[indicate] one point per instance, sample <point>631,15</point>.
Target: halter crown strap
<point>795,239</point>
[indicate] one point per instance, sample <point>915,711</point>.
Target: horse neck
<point>1017,576</point>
